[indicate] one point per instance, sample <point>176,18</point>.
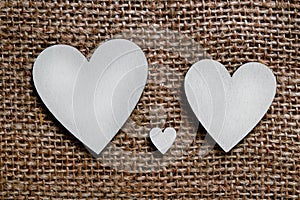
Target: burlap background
<point>40,159</point>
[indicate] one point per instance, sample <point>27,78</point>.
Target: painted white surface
<point>92,99</point>
<point>163,140</point>
<point>54,77</point>
<point>229,107</point>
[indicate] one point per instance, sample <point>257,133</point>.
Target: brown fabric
<point>40,159</point>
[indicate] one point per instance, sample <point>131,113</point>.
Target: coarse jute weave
<point>40,159</point>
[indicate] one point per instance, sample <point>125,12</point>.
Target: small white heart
<point>163,140</point>
<point>229,107</point>
<point>92,99</point>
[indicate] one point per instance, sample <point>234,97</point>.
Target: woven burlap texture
<point>41,159</point>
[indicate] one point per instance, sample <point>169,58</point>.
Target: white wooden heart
<point>92,99</point>
<point>163,140</point>
<point>233,105</point>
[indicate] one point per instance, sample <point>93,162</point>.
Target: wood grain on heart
<point>229,107</point>
<point>92,99</point>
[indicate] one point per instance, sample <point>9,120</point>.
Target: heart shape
<point>92,99</point>
<point>163,140</point>
<point>229,107</point>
